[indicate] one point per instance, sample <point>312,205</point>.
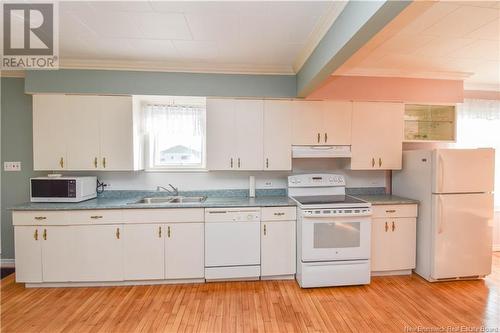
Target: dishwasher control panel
<point>232,215</point>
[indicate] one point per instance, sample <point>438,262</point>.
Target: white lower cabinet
<point>394,238</point>
<point>28,251</point>
<point>144,247</point>
<point>98,253</point>
<point>278,249</point>
<point>58,253</point>
<point>184,251</point>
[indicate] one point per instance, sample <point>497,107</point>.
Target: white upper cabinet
<point>49,132</point>
<point>322,123</point>
<point>234,134</point>
<point>377,135</point>
<point>75,132</point>
<point>337,118</point>
<point>278,135</point>
<point>83,128</point>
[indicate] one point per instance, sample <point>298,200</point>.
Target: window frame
<point>150,141</point>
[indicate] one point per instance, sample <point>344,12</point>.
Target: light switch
<point>12,166</point>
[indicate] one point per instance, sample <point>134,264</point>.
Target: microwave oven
<point>62,189</point>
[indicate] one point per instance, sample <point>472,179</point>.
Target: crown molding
<point>494,87</point>
<point>318,33</point>
<point>17,73</point>
<point>437,75</point>
<point>159,66</point>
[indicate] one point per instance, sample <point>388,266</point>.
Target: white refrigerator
<point>455,216</point>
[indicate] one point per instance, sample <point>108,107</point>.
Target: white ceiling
<point>264,37</point>
<point>449,39</point>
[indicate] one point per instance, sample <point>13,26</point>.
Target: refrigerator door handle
<point>440,215</point>
<point>441,174</point>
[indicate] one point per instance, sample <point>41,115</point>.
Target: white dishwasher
<point>232,243</point>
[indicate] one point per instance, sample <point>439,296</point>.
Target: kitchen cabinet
<point>144,248</point>
<point>98,252</point>
<point>28,251</point>
<point>184,251</point>
<point>278,254</point>
<point>57,253</point>
<point>394,238</point>
<point>322,123</point>
<point>234,134</point>
<point>76,132</point>
<point>49,132</point>
<point>377,136</point>
<point>278,135</point>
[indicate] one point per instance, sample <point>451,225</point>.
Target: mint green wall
<point>159,83</point>
<point>17,145</point>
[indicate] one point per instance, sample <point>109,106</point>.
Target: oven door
<point>335,238</point>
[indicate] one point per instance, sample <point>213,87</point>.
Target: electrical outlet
<point>268,183</point>
<point>12,166</point>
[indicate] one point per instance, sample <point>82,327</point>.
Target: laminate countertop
<point>130,203</point>
<point>386,199</point>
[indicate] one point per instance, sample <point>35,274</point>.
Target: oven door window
<point>336,235</point>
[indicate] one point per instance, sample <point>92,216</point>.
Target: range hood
<point>321,151</point>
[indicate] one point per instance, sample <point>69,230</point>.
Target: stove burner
<point>327,199</point>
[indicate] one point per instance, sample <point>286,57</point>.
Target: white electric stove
<point>333,232</point>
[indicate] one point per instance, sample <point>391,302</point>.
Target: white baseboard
<point>496,247</point>
<point>7,263</point>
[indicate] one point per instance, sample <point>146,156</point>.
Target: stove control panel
<point>365,211</point>
<point>313,180</point>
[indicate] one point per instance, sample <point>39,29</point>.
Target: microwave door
<point>54,188</point>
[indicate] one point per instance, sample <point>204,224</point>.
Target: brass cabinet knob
<point>36,234</point>
<point>373,162</point>
<point>95,162</point>
<point>393,226</point>
<point>326,137</point>
<point>379,162</point>
<point>104,162</point>
<point>265,230</point>
<point>319,137</point>
<point>40,218</point>
<point>44,234</point>
<point>95,217</point>
<point>61,162</point>
<point>168,231</point>
<point>159,232</point>
<point>386,227</point>
<point>117,233</point>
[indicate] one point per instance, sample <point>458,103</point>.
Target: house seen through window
<point>175,129</point>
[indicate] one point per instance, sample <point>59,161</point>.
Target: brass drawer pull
<point>95,217</point>
<point>265,230</point>
<point>239,162</point>
<point>168,231</point>
<point>117,233</point>
<point>267,163</point>
<point>379,162</point>
<point>326,137</point>
<point>393,226</point>
<point>159,232</point>
<point>95,162</point>
<point>104,162</point>
<point>61,162</point>
<point>40,217</point>
<point>319,137</point>
<point>386,227</point>
<point>44,234</point>
<point>231,162</point>
<point>36,234</point>
<point>390,211</point>
<point>279,214</point>
<point>373,162</point>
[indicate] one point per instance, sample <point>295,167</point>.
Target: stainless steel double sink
<point>169,200</point>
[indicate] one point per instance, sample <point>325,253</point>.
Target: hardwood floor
<point>388,304</point>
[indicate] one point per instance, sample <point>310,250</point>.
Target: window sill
<point>180,170</point>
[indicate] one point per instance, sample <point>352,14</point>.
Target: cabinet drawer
<point>279,213</point>
<point>103,216</point>
<point>384,211</point>
<point>42,217</point>
<point>164,215</point>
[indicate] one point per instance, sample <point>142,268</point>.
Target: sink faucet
<point>173,191</point>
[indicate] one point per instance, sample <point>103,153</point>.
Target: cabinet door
<point>278,135</point>
<point>278,248</point>
<point>337,123</point>
<point>307,123</point>
<point>377,135</point>
<point>28,254</point>
<point>49,132</point>
<point>57,253</point>
<point>116,133</point>
<point>98,253</point>
<point>144,249</point>
<point>403,243</point>
<point>83,132</point>
<point>220,134</point>
<point>249,134</point>
<point>381,256</point>
<point>184,251</point>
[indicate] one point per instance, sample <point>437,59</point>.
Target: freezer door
<point>462,232</point>
<point>463,170</point>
